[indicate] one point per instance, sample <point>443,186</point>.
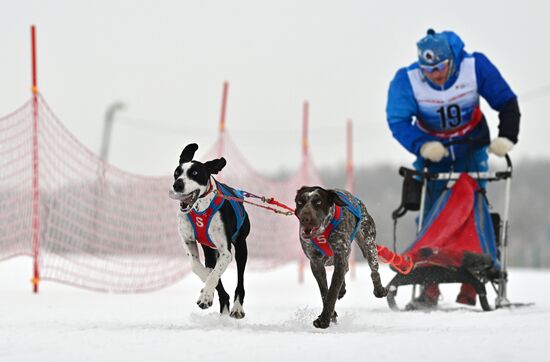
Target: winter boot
<point>467,295</point>
<point>427,299</point>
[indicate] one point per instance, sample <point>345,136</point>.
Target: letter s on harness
<point>199,222</point>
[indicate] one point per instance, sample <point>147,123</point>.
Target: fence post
<point>350,184</point>
<point>35,193</point>
<point>304,175</point>
<point>221,140</point>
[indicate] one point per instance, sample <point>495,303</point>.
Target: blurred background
<point>159,67</point>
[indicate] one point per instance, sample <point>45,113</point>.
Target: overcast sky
<point>167,61</point>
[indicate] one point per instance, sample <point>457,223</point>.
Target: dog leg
<point>241,256</point>
<point>372,257</point>
<point>320,274</point>
<point>366,241</point>
<point>196,267</point>
<point>210,257</point>
<point>207,294</point>
<point>223,298</point>
<point>342,291</point>
<point>340,268</point>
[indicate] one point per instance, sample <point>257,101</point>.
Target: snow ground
<point>63,323</point>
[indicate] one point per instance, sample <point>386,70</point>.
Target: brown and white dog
<point>330,220</point>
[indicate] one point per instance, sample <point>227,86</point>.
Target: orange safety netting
<point>105,229</point>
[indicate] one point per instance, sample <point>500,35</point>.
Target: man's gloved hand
<point>500,146</point>
<point>433,151</point>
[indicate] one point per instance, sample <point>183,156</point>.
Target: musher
<point>434,102</point>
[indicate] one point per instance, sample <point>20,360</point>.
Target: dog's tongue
<point>184,199</point>
<point>175,195</point>
<point>308,231</point>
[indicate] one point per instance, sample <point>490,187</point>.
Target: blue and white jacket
<point>419,111</point>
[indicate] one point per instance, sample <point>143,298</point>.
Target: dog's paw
<point>380,292</point>
<point>342,292</point>
<point>334,318</point>
<point>238,311</point>
<point>322,323</point>
<point>206,299</point>
<point>237,314</point>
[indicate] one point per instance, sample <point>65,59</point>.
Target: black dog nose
<point>178,185</point>
<point>305,219</point>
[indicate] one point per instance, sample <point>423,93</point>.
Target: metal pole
<point>108,128</point>
<point>422,201</point>
<point>502,297</point>
<point>421,216</point>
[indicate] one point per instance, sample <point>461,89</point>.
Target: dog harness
<point>200,221</point>
<point>320,242</point>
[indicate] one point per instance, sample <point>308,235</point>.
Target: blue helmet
<point>433,49</point>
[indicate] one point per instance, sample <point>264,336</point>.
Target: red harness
<point>201,220</point>
<point>321,241</point>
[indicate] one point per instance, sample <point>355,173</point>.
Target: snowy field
<point>67,324</point>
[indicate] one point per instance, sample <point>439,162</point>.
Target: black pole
<point>108,127</point>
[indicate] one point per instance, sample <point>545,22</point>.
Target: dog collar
<point>328,219</point>
<point>210,188</point>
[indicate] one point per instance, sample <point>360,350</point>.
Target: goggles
<point>432,68</point>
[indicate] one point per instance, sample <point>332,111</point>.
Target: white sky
<point>167,60</point>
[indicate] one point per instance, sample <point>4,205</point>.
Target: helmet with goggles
<point>434,51</point>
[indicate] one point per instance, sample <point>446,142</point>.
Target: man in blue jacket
<point>433,111</point>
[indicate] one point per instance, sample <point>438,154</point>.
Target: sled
<point>460,240</point>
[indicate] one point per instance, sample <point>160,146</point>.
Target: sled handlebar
<point>477,144</point>
<point>486,175</point>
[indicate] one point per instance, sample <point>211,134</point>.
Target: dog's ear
<point>216,165</point>
<point>188,153</point>
<point>335,199</point>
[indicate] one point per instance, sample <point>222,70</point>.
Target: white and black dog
<point>216,223</point>
<point>330,220</point>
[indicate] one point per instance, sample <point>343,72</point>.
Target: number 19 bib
<point>451,112</point>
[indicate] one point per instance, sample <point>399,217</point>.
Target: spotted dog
<point>206,218</point>
<point>329,221</point>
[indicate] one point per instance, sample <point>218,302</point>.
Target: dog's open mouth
<point>309,232</point>
<point>186,200</point>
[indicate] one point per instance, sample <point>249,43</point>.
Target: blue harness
<point>321,242</point>
<point>354,208</point>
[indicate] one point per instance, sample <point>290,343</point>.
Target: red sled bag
<point>459,223</point>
